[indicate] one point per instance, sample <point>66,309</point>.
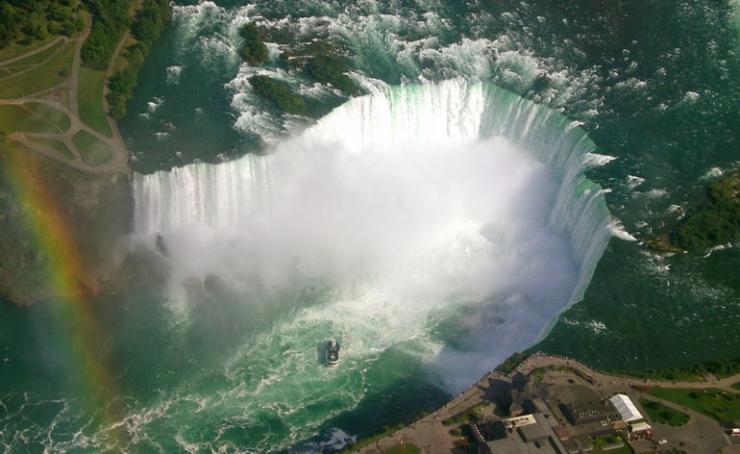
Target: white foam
<point>407,203</point>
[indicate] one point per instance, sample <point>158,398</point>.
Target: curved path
<point>119,155</point>
<point>33,52</point>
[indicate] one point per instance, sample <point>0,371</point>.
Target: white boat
<point>332,353</point>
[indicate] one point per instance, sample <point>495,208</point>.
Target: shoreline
<point>424,427</point>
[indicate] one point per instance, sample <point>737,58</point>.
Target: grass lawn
<point>720,405</point>
<point>90,100</point>
<point>14,49</point>
<point>56,145</point>
<point>664,415</point>
<point>605,441</point>
<point>407,448</point>
<point>51,115</point>
<point>473,414</point>
<point>93,151</point>
<point>29,61</point>
<point>53,73</point>
<point>32,117</point>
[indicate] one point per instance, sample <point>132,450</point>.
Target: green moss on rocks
<point>278,93</point>
<point>253,51</point>
<point>715,222</point>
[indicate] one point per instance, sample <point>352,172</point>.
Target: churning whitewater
<point>449,222</point>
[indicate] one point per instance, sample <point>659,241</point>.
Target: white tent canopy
<point>625,407</point>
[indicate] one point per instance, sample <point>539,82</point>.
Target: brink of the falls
<point>452,220</point>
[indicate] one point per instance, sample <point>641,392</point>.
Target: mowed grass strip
<point>52,73</point>
<point>721,405</point>
<point>30,117</point>
<point>54,144</point>
<point>90,100</point>
<point>662,414</point>
<point>93,151</point>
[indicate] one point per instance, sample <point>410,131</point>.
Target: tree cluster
<point>253,50</point>
<point>24,21</point>
<point>715,222</point>
<point>279,93</point>
<point>110,20</point>
<point>720,369</point>
<point>151,19</point>
<point>331,69</point>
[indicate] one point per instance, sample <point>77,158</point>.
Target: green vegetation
<point>30,62</point>
<point>736,386</point>
<point>471,415</point>
<point>31,117</point>
<point>715,403</point>
<point>331,69</point>
<point>16,49</point>
<point>25,21</point>
<point>715,222</point>
<point>720,369</point>
<point>611,443</point>
<point>110,21</point>
<point>151,19</point>
<point>512,362</point>
<point>667,451</point>
<point>279,93</point>
<point>54,72</point>
<point>253,51</point>
<point>51,115</point>
<point>93,151</point>
<point>406,448</point>
<point>54,144</point>
<point>664,415</point>
<point>90,100</point>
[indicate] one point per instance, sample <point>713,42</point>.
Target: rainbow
<point>79,333</point>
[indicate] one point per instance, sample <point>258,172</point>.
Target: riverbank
<point>60,145</point>
<point>495,397</point>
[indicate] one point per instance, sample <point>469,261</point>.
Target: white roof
<point>640,427</point>
<point>625,407</point>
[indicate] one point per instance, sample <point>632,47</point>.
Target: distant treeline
<point>151,19</point>
<point>110,21</point>
<point>721,368</point>
<point>25,21</point>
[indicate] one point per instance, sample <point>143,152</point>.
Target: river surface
<point>486,193</point>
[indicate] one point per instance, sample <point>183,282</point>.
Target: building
<point>626,408</point>
<point>582,405</point>
<point>528,434</point>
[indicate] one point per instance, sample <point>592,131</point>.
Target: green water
<point>655,84</point>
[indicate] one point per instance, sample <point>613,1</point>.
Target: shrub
<point>253,51</point>
<point>279,93</point>
<point>331,69</point>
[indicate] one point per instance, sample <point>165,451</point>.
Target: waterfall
<point>404,119</point>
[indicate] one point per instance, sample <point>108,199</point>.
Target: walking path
<point>33,52</point>
<point>119,155</point>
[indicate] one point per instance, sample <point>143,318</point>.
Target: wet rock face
<point>95,212</point>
